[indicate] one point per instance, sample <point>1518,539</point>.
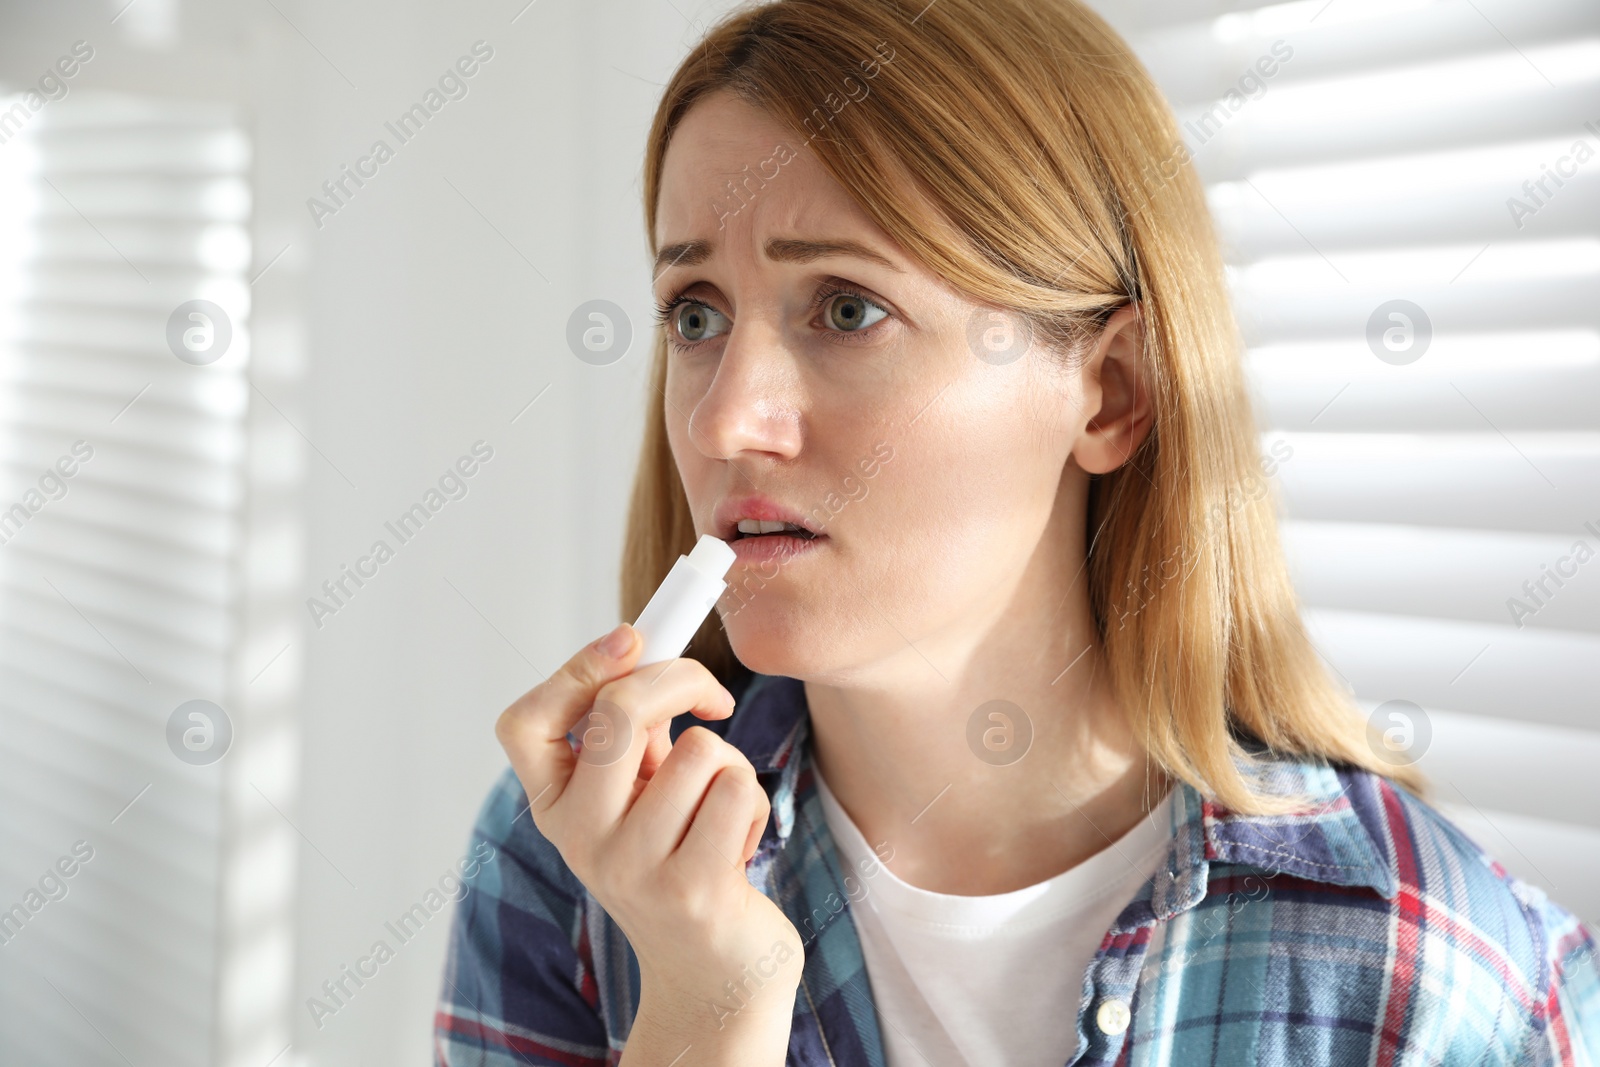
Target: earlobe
<point>1116,370</point>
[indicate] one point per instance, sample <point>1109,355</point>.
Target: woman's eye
<point>850,313</point>
<point>696,322</point>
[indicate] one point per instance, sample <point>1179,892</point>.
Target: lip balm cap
<point>712,556</point>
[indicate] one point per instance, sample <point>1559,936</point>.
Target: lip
<point>756,506</point>
<point>775,548</point>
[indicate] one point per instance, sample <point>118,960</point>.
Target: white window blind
<point>119,590</point>
<point>1384,158</point>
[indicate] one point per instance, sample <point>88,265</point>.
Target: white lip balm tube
<point>683,600</point>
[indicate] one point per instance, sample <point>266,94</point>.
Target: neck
<point>958,809</point>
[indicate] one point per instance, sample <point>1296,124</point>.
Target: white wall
<point>430,331</point>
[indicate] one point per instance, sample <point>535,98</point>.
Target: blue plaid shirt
<point>1364,930</point>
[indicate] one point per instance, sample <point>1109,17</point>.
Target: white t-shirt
<point>967,981</point>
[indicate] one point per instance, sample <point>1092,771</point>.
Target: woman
<point>1032,761</point>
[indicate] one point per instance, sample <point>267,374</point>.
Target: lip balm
<point>683,600</point>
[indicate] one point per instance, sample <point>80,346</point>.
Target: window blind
<point>118,580</point>
<point>1445,153</point>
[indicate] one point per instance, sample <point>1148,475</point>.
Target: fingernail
<point>616,642</point>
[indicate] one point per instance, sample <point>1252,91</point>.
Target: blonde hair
<point>1021,152</point>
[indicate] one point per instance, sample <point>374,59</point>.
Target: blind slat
<point>119,596</point>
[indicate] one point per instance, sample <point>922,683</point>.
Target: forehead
<point>731,169</point>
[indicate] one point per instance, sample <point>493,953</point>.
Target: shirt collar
<point>1339,836</point>
<point>769,721</point>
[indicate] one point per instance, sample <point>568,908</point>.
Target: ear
<point>1116,394</point>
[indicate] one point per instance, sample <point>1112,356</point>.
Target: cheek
<point>678,403</point>
<point>677,428</point>
<point>928,516</point>
<point>690,462</point>
<point>967,497</point>
<point>978,447</point>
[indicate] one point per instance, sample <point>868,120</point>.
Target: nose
<point>751,405</point>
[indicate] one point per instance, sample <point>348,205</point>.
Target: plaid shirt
<point>1365,930</point>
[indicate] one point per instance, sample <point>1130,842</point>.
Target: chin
<point>772,641</point>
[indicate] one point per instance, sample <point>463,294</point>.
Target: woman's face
<point>840,384</point>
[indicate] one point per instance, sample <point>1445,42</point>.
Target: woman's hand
<point>660,832</point>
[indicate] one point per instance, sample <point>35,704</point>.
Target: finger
<point>533,731</point>
<point>758,826</point>
<point>664,812</point>
<point>721,827</point>
<point>603,784</point>
<point>659,743</point>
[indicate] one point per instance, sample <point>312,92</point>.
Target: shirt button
<point>1112,1016</point>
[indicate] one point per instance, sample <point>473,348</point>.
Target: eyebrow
<point>779,249</point>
